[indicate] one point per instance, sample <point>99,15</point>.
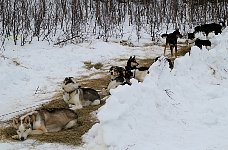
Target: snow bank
<point>185,108</point>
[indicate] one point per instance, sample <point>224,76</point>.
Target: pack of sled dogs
<point>54,120</point>
<point>171,38</point>
<point>77,97</point>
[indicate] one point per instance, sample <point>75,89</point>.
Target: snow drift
<point>185,108</point>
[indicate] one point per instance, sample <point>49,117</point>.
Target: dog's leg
<point>35,132</point>
<point>76,100</point>
<point>165,49</point>
<point>175,51</point>
<point>104,92</point>
<point>112,85</point>
<point>74,107</point>
<point>207,33</point>
<point>66,97</point>
<point>171,48</point>
<point>85,103</point>
<point>56,129</point>
<point>71,124</point>
<point>15,137</point>
<point>96,102</point>
<point>104,98</point>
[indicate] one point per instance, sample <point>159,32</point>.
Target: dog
<point>42,121</point>
<point>191,39</point>
<point>116,71</point>
<point>197,42</point>
<point>171,40</point>
<point>167,59</point>
<point>78,97</point>
<point>200,43</point>
<point>139,73</point>
<point>208,28</point>
<point>119,76</point>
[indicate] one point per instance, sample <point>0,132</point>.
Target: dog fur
<point>200,43</point>
<point>197,42</point>
<point>119,76</point>
<point>42,121</point>
<point>116,71</point>
<point>78,97</point>
<point>212,27</point>
<point>171,40</point>
<point>191,39</point>
<point>139,73</point>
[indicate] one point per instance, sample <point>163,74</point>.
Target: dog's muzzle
<point>22,139</point>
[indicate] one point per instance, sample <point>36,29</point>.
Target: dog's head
<point>69,84</point>
<point>191,36</point>
<point>178,34</point>
<point>116,71</point>
<point>197,29</point>
<point>23,126</point>
<point>132,63</point>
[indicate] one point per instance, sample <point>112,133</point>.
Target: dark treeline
<point>78,20</point>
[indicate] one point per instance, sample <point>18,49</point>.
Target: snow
<point>43,67</point>
<point>185,108</point>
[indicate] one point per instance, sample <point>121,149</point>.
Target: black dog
<point>171,39</point>
<point>201,43</point>
<point>208,28</point>
<point>191,38</point>
<point>167,59</point>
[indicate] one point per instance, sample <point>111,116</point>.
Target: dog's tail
<point>164,35</point>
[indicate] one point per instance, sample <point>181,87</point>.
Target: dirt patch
<point>97,83</point>
<point>89,65</point>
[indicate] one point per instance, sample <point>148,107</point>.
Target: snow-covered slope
<point>185,108</point>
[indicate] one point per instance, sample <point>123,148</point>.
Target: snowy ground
<point>185,108</point>
<point>31,75</point>
<point>41,67</point>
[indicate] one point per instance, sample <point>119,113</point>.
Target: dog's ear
<point>33,117</point>
<point>73,80</point>
<point>27,120</point>
<point>15,122</point>
<point>111,68</point>
<point>66,80</point>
